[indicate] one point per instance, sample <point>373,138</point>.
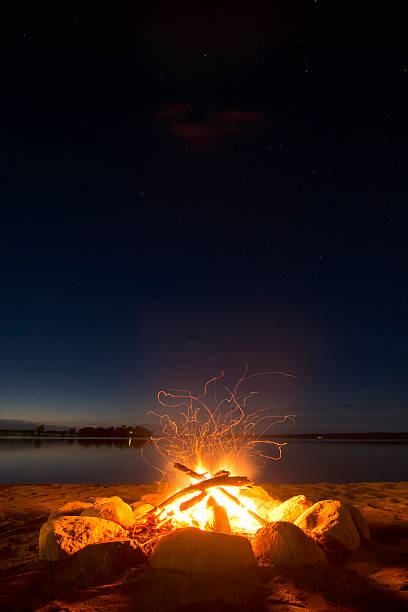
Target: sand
<point>373,578</point>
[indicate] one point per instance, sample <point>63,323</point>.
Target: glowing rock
<point>290,509</point>
<point>112,509</point>
<point>139,508</point>
<point>261,501</point>
<point>66,535</point>
<point>153,498</point>
<point>193,551</point>
<point>259,494</point>
<point>104,500</point>
<point>70,509</point>
<point>286,545</point>
<point>330,523</point>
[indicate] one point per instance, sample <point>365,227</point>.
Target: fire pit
<point>210,442</point>
<point>213,520</point>
<point>208,504</point>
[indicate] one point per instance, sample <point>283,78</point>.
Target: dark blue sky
<point>190,189</point>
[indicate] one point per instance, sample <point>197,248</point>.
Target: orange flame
<point>228,437</point>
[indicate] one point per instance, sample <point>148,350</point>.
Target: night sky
<point>192,186</point>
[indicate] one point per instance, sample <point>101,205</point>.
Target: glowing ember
<point>218,442</point>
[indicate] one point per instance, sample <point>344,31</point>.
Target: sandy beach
<point>372,578</point>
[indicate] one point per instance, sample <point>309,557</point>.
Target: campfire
<point>210,524</point>
<point>211,436</point>
<point>210,503</point>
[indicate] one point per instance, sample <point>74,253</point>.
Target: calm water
<point>27,460</point>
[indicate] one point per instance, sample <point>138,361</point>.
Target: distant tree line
<point>124,431</point>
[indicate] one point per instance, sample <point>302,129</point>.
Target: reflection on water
<point>96,460</point>
<point>79,460</point>
<point>38,442</point>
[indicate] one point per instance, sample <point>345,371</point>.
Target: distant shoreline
<point>384,436</point>
<point>376,435</point>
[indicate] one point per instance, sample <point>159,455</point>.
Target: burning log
<point>220,517</point>
<point>222,473</point>
<point>234,499</point>
<point>193,474</point>
<point>231,497</point>
<point>193,501</point>
<point>209,483</point>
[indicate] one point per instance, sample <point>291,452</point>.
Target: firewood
<point>251,513</point>
<point>209,483</point>
<point>231,497</point>
<point>220,517</point>
<point>222,473</point>
<point>189,472</point>
<point>193,501</point>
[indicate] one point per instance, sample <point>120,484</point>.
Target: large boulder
<point>290,509</point>
<point>193,551</point>
<point>103,560</point>
<point>70,509</point>
<point>330,523</point>
<point>112,509</point>
<point>66,535</point>
<point>286,545</point>
<point>199,570</point>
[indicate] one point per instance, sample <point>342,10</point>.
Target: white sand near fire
<point>380,568</point>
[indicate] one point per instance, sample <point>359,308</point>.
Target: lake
<point>59,460</point>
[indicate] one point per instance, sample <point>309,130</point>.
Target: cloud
<point>207,130</point>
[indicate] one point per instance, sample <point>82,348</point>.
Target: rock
<point>102,560</point>
<point>258,493</point>
<point>287,545</point>
<point>290,509</point>
<point>66,535</point>
<point>139,508</point>
<point>70,509</point>
<point>152,498</point>
<point>330,523</point>
<point>104,500</point>
<point>193,551</point>
<point>112,509</point>
<point>263,503</point>
<point>359,521</point>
